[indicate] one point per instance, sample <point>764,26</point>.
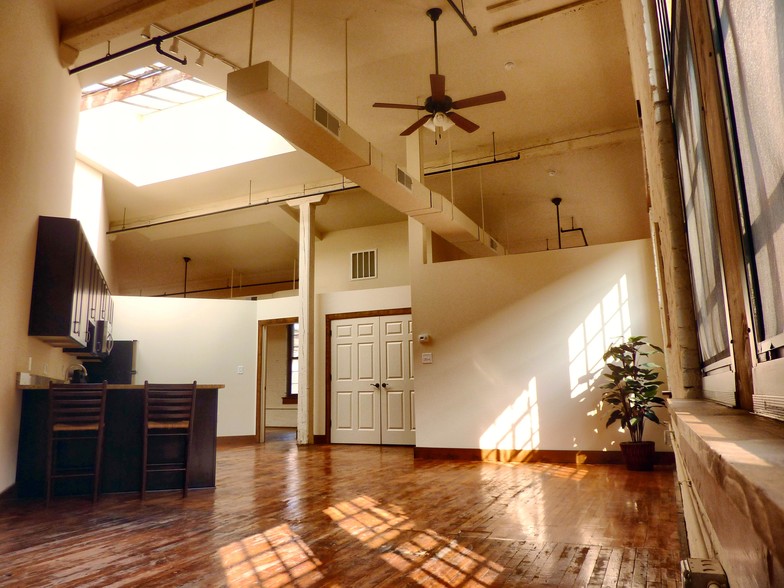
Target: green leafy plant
<point>631,392</point>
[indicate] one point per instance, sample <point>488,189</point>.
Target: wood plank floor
<point>343,516</point>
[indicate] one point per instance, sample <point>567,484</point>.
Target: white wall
<point>517,342</point>
<point>39,105</point>
<point>186,339</point>
<point>333,255</point>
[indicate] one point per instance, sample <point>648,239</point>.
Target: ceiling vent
<point>404,179</point>
<point>323,117</point>
<point>363,265</point>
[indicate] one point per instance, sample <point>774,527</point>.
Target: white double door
<point>372,381</point>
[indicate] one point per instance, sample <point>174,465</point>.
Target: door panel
<point>397,391</point>
<point>355,370</point>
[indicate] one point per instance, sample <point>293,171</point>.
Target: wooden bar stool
<point>168,413</point>
<point>76,415</point>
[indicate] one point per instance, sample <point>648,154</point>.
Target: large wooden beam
<point>167,78</point>
<point>536,16</point>
<point>119,18</point>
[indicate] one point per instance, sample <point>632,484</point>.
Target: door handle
<point>384,385</point>
<point>376,386</point>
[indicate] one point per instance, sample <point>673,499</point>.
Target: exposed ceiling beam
<point>119,18</point>
<point>166,78</point>
<point>544,13</point>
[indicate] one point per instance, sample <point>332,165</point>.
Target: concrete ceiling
<point>569,125</point>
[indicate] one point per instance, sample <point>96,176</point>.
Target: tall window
<point>753,46</point>
<point>292,384</point>
<point>701,228</point>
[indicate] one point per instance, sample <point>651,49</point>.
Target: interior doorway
<point>276,381</point>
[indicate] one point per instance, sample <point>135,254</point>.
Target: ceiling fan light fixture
<point>439,121</point>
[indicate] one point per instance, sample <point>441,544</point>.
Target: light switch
<point>427,358</point>
<point>240,369</point>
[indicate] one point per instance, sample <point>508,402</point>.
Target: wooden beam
<point>538,15</point>
<point>119,18</point>
<point>141,86</point>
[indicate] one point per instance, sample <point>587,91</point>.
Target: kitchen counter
<point>122,451</point>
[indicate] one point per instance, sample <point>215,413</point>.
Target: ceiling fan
<point>438,105</point>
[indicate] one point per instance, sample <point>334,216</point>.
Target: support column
<point>420,244</point>
<point>679,326</point>
<point>307,217</point>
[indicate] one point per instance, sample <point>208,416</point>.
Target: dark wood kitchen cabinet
<point>69,293</point>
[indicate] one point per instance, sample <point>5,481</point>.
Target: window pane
<point>753,47</point>
<point>704,254</point>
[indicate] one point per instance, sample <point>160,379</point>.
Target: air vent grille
<point>493,244</point>
<point>404,179</point>
<point>326,119</point>
<point>363,265</point>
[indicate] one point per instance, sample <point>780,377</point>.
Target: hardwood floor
<point>357,516</point>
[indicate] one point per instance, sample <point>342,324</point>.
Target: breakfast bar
<point>122,449</point>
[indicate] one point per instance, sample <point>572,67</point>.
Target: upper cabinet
<point>71,304</point>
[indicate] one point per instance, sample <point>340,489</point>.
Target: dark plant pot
<point>639,456</point>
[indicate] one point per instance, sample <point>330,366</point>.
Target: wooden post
<point>307,217</point>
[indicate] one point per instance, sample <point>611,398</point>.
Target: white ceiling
<point>570,115</point>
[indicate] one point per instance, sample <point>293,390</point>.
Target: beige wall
<point>39,104</point>
<point>333,253</point>
<point>517,342</point>
<point>181,340</point>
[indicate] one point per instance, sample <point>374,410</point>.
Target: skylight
<point>169,132</point>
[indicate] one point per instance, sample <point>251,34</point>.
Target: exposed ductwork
<point>270,96</point>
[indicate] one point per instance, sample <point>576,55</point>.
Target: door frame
<point>328,318</point>
<point>261,365</point>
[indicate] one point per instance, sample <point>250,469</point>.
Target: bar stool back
<point>169,410</point>
<point>76,414</point>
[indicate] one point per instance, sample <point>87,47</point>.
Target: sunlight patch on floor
<point>430,558</point>
<point>276,557</point>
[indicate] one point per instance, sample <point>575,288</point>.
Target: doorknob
<point>376,386</point>
<point>384,385</point>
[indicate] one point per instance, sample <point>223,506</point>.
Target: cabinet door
<point>80,309</point>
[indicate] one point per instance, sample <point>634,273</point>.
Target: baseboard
<point>532,456</point>
<point>235,440</point>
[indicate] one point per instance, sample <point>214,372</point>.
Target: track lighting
<point>146,32</point>
<point>200,58</point>
<point>175,46</point>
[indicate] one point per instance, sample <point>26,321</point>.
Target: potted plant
<point>630,395</point>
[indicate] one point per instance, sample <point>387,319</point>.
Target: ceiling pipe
<point>157,40</point>
<point>463,17</point>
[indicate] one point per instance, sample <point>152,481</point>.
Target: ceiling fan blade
<point>462,122</point>
<point>393,105</point>
<point>416,125</point>
<point>437,87</point>
<point>479,100</point>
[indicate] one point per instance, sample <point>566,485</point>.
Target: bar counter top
<point>123,386</point>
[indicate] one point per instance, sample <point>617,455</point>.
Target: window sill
<point>734,460</point>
